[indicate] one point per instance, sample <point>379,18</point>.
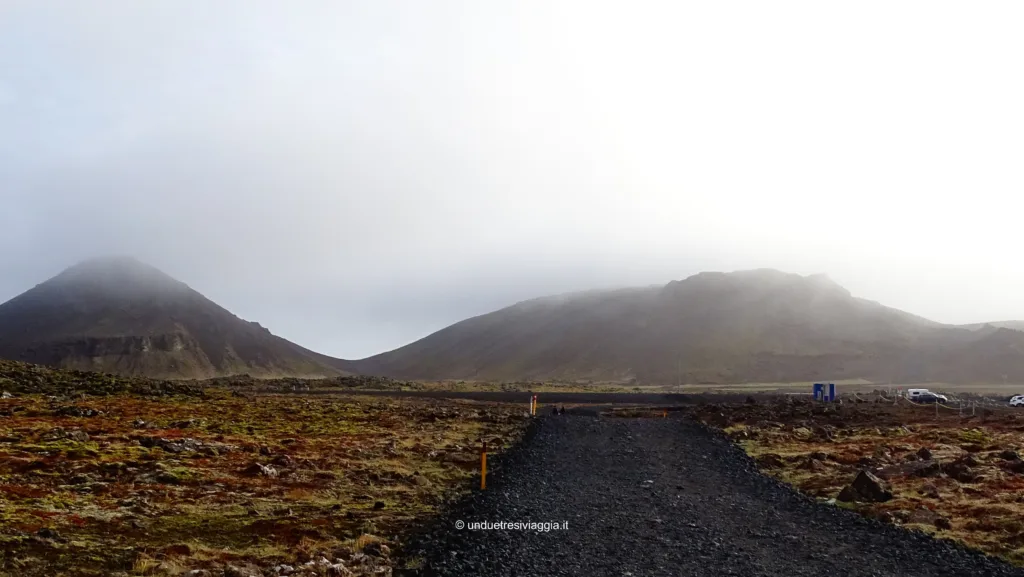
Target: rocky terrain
<point>16,377</point>
<point>664,496</point>
<point>226,485</point>
<point>760,326</point>
<point>958,475</point>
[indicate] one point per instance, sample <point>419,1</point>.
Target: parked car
<point>930,398</point>
<point>926,396</point>
<point>1017,400</point>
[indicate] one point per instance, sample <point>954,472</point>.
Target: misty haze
<point>278,278</point>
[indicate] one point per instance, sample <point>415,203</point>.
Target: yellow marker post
<point>483,467</point>
<point>664,413</point>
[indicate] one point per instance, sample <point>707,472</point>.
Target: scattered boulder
<point>377,549</point>
<point>233,571</point>
<point>76,411</point>
<point>925,453</point>
<point>770,461</point>
<point>283,461</point>
<point>78,435</point>
<point>960,470</point>
<point>929,490</point>
<point>258,470</point>
<point>1009,455</point>
<point>812,464</point>
<point>1014,466</point>
<point>824,433</point>
<point>54,434</point>
<point>167,478</point>
<point>866,488</point>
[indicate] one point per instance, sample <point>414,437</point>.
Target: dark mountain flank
<point>748,326</point>
<point>121,316</point>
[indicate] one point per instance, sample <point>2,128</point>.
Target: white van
<point>1017,400</point>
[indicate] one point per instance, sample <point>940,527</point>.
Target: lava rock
<point>866,488</point>
<point>258,470</point>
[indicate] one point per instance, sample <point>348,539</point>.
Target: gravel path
<point>646,497</point>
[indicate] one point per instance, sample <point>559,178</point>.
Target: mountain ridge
<point>118,315</point>
<point>758,325</point>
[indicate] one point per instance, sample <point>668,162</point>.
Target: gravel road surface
<point>646,497</point>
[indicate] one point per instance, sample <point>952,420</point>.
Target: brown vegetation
<point>129,485</point>
<point>957,476</point>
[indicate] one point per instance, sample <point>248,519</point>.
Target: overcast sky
<point>356,175</point>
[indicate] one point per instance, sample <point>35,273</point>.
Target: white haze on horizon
<point>356,175</point>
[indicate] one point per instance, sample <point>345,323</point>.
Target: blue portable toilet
<point>825,392</point>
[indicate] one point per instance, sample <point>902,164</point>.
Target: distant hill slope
<point>1014,325</point>
<point>748,326</point>
<point>121,316</point>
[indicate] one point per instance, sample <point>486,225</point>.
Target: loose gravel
<point>652,496</point>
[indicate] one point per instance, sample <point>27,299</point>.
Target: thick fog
<point>356,175</point>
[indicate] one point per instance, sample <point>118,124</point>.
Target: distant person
<point>561,410</point>
<point>555,410</point>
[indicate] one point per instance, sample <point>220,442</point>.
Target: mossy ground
<point>986,513</point>
<point>160,485</point>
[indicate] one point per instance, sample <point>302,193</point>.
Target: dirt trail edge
<point>647,497</point>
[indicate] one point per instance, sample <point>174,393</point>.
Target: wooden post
<point>483,467</point>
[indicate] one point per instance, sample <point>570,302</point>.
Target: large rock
<point>960,470</point>
<point>866,488</point>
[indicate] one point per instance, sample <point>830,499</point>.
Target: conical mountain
<point>119,315</point>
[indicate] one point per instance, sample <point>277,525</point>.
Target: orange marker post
<point>483,467</point>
